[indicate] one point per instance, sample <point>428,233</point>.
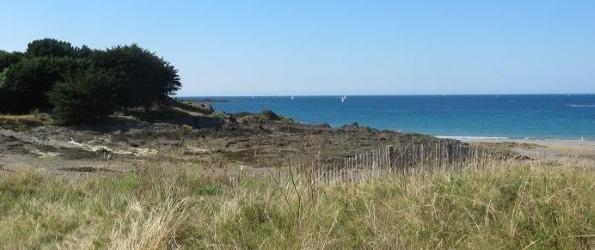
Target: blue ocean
<point>509,116</point>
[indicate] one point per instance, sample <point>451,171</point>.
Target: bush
<point>83,96</point>
<point>269,115</point>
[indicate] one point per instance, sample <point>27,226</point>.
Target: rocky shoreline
<point>182,135</point>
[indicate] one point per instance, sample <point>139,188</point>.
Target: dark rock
<point>354,125</point>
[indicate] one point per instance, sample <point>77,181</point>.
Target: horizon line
<point>324,95</point>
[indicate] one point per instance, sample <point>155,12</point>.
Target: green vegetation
<point>83,96</point>
<point>142,78</point>
<point>269,115</point>
<point>26,82</point>
<point>54,75</point>
<point>505,206</point>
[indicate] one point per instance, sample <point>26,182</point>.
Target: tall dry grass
<point>501,205</point>
<point>149,227</point>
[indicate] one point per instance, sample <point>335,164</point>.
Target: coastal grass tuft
<point>24,122</point>
<point>505,205</point>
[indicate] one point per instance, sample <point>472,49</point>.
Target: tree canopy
<point>54,75</point>
<point>83,96</point>
<point>142,77</point>
<point>50,47</point>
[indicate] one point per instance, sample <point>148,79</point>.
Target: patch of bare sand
<point>545,148</point>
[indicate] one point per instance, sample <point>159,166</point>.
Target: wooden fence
<point>398,158</point>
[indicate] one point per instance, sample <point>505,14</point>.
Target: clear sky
<point>335,47</point>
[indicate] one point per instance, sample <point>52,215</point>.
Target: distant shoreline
<point>549,141</point>
<point>505,117</point>
<point>383,95</point>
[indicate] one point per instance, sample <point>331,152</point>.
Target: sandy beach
<point>544,148</point>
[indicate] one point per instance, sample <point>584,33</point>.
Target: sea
<point>566,117</point>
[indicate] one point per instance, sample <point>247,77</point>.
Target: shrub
<point>269,115</point>
<point>83,96</point>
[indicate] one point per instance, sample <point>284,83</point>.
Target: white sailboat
<point>343,98</point>
<point>291,97</point>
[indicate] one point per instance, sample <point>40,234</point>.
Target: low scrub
<point>505,206</point>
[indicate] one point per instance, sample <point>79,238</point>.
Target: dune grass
<point>505,206</point>
<point>24,122</point>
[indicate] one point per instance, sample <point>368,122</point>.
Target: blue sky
<point>335,47</point>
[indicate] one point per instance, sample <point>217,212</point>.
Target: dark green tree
<point>4,94</point>
<point>83,52</point>
<point>25,84</point>
<point>137,78</point>
<point>143,78</point>
<point>83,96</point>
<point>50,47</point>
<point>9,58</point>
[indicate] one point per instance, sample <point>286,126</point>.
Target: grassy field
<point>531,205</point>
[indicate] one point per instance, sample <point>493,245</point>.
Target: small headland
<point>178,132</point>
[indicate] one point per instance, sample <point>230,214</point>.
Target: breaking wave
<point>581,105</point>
